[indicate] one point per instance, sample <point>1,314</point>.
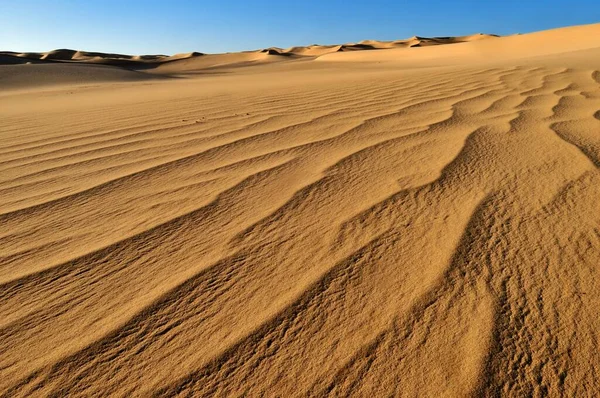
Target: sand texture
<point>418,218</point>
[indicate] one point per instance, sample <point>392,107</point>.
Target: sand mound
<point>73,56</point>
<point>145,62</point>
<point>318,50</point>
<point>175,57</point>
<point>60,55</point>
<point>312,51</point>
<point>405,222</point>
<point>275,51</point>
<point>14,59</point>
<point>475,48</point>
<point>207,63</point>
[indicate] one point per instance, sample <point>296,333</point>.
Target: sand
<point>333,222</point>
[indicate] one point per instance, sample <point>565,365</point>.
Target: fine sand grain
<point>409,218</point>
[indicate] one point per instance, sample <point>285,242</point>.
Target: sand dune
<point>194,61</point>
<point>405,222</point>
<point>508,49</point>
<point>67,55</point>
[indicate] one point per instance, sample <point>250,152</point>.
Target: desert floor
<point>395,222</point>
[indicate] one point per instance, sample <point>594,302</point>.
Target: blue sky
<point>166,27</point>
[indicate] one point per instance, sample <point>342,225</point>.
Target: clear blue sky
<point>166,27</point>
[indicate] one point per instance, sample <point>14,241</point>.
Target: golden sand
<point>411,220</point>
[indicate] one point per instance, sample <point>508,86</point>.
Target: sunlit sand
<point>409,218</point>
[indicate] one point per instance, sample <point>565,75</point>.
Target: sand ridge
<point>67,55</point>
<point>193,61</point>
<point>383,223</point>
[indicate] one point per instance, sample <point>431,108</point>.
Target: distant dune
<point>125,67</point>
<point>67,55</point>
<point>73,56</point>
<point>195,61</point>
<point>508,49</point>
<point>412,218</point>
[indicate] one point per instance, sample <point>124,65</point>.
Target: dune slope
<point>195,61</point>
<point>356,228</point>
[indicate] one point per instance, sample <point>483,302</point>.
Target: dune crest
<point>67,55</point>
